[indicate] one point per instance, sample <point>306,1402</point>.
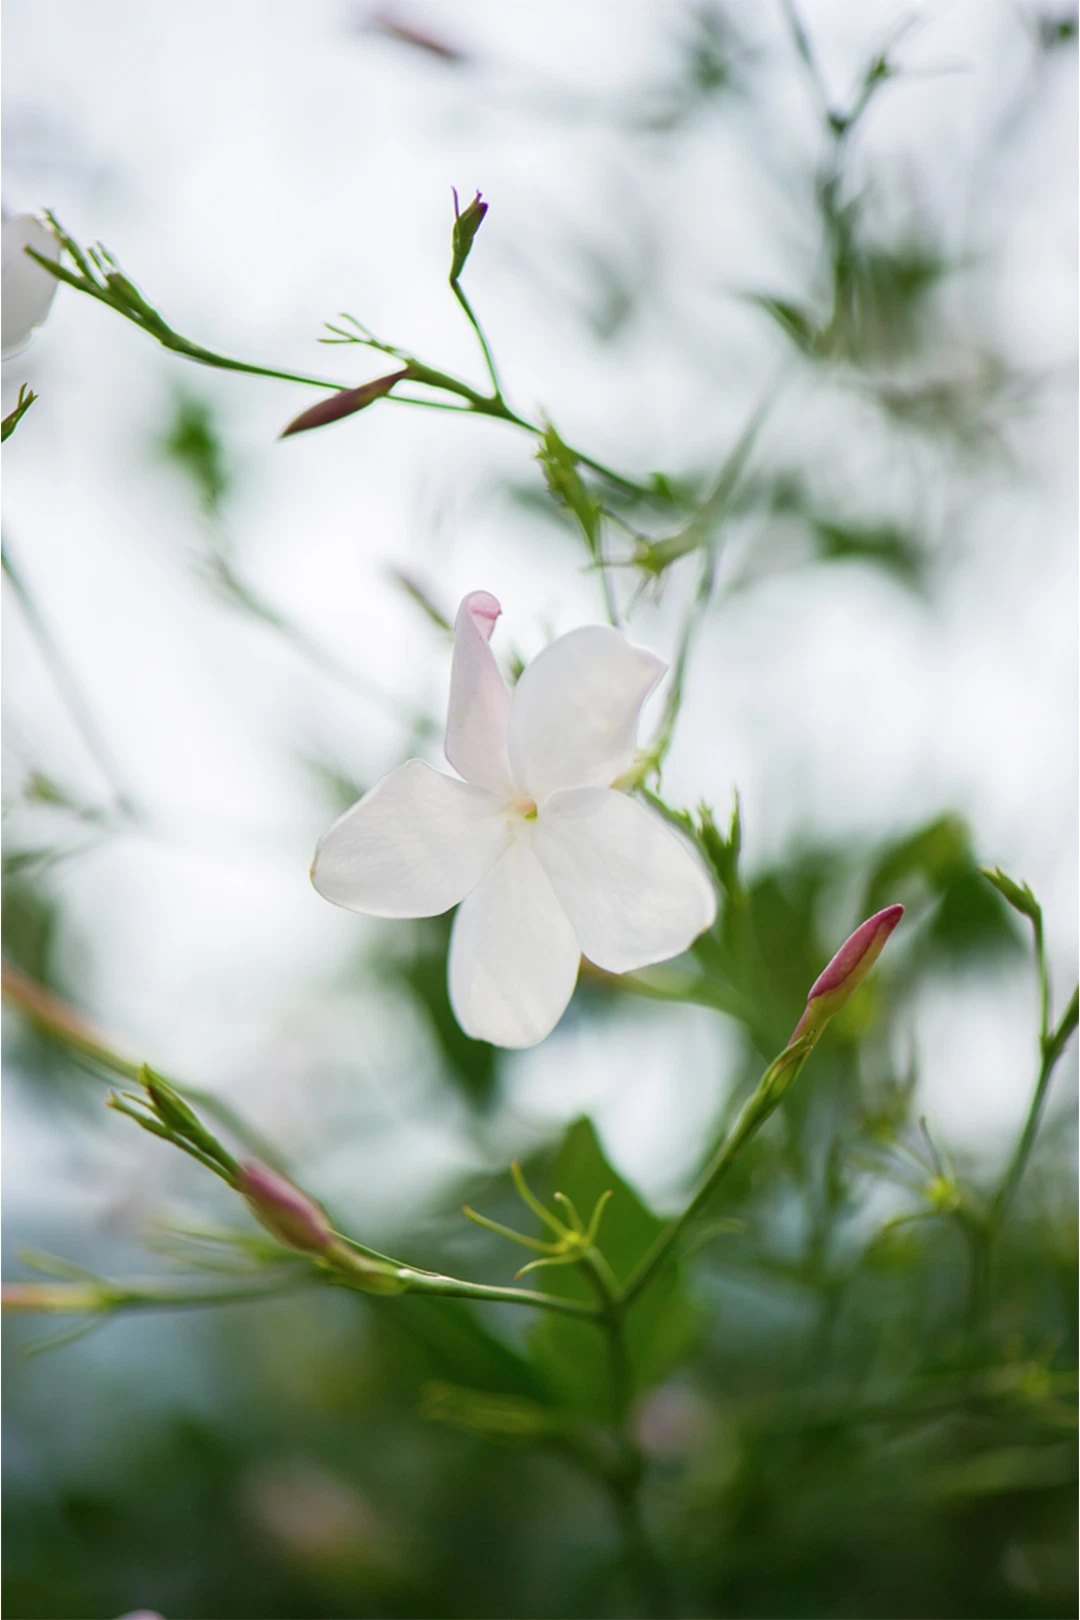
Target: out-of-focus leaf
<point>936,863</point>
<point>446,1339</point>
<point>565,483</point>
<point>574,1356</point>
<point>793,321</point>
<point>473,1065</point>
<point>193,444</point>
<point>884,545</point>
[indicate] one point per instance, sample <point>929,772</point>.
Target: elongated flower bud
<point>847,970</point>
<point>347,403</point>
<point>286,1212</point>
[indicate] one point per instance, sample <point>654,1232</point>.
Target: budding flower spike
<point>27,290</point>
<point>547,859</point>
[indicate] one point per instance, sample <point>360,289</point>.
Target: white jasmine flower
<point>27,290</point>
<point>547,858</point>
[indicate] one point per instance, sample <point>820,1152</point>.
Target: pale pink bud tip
<point>483,609</point>
<point>286,1212</point>
<point>867,941</point>
<point>847,970</point>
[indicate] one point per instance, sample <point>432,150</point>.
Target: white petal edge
<point>634,891</point>
<point>413,846</point>
<point>574,715</point>
<point>513,955</point>
<point>479,706</point>
<point>26,290</point>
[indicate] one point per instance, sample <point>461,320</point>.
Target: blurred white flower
<point>26,290</point>
<point>549,860</point>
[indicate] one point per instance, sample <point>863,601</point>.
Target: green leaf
<point>793,321</point>
<point>574,1356</point>
<point>936,863</point>
<point>446,1339</point>
<point>14,417</point>
<point>565,484</point>
<point>888,547</point>
<point>723,852</point>
<point>193,444</point>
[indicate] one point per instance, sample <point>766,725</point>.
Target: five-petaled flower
<point>548,859</point>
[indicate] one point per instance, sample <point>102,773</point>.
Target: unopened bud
<point>847,970</point>
<point>347,403</point>
<point>287,1213</point>
<point>181,1120</point>
<point>467,221</point>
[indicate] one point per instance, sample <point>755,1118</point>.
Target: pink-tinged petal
<point>286,1212</point>
<point>634,891</point>
<point>26,290</point>
<point>513,954</point>
<point>847,970</point>
<point>479,707</point>
<point>574,716</point>
<point>413,846</point>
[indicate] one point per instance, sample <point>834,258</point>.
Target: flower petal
<point>633,890</point>
<point>413,846</point>
<point>27,290</point>
<point>513,955</point>
<point>574,715</point>
<point>479,701</point>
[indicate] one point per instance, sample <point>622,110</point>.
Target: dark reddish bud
<point>347,403</point>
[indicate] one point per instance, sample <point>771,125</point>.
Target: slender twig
<point>776,1080</point>
<point>68,686</point>
<point>478,329</point>
<point>433,1283</point>
<point>1052,1049</point>
<point>54,1018</point>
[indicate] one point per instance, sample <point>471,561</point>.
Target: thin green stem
<point>459,294</point>
<point>61,1023</point>
<point>435,1284</point>
<point>777,1079</point>
<point>1052,1049</point>
<point>97,1297</point>
<point>67,684</point>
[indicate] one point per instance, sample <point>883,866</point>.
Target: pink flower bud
<point>286,1212</point>
<point>847,970</point>
<point>347,403</point>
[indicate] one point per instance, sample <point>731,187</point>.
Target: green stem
<point>459,294</point>
<point>436,1285</point>
<point>93,1297</point>
<point>776,1080</point>
<point>1052,1049</point>
<point>68,686</point>
<point>624,1481</point>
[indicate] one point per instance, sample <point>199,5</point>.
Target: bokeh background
<point>676,237</point>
